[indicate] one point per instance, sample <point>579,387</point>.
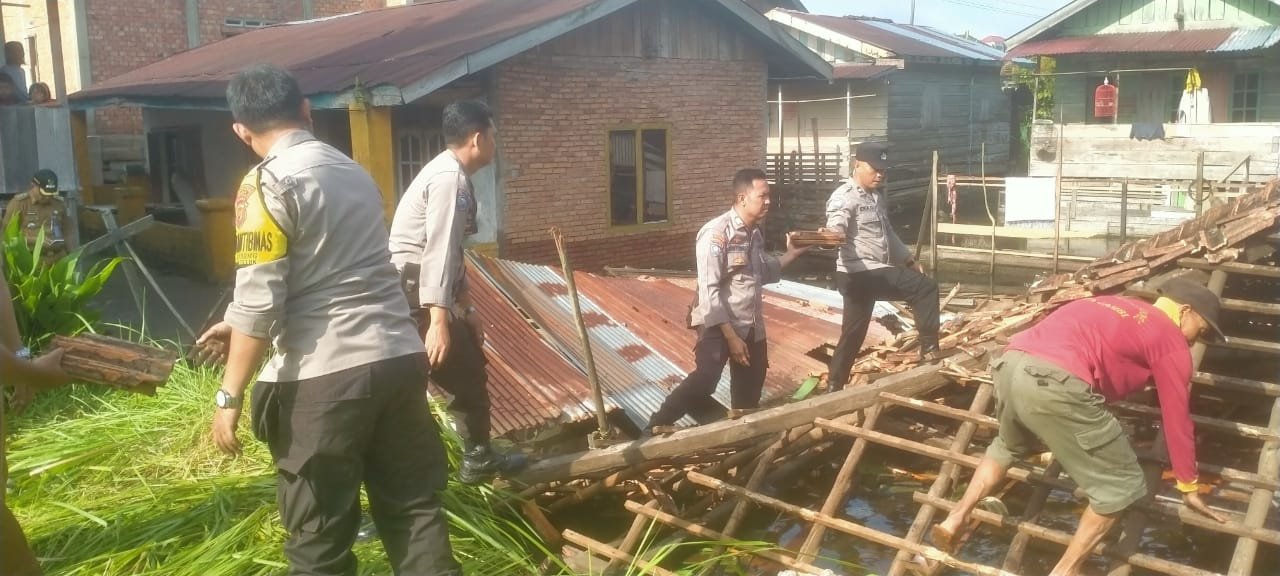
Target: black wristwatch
<point>225,400</point>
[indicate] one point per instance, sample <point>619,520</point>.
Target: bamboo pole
<point>612,553</point>
<point>597,395</point>
<point>946,476</point>
<point>840,488</point>
<point>986,203</point>
<point>1062,538</point>
<point>1057,195</point>
<point>753,483</point>
<point>638,526</point>
<point>933,220</point>
<point>1035,504</point>
<point>703,532</point>
<point>1259,501</point>
<point>847,527</point>
<point>1187,516</point>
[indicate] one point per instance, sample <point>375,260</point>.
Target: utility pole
<point>913,12</point>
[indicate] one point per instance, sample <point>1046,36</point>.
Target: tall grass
<point>114,484</point>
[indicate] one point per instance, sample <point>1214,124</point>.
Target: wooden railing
<point>804,167</point>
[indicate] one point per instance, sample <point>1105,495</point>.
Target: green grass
<point>111,483</point>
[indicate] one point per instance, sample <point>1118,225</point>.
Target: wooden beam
<point>703,532</point>
<point>766,422</point>
<point>1206,422</point>
<point>1231,267</point>
<point>372,147</point>
<point>1011,232</point>
<point>1236,384</point>
<point>1259,501</point>
<point>612,553</point>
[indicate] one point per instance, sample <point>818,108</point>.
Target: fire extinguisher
<point>1104,100</point>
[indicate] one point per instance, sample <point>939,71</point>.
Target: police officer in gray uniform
<point>342,400</point>
<point>874,264</point>
<point>733,268</point>
<point>435,214</point>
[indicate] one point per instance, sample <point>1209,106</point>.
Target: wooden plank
<point>1011,232</point>
<point>1231,267</point>
<point>1236,384</point>
<point>766,422</point>
<point>1250,344</point>
<point>1206,422</point>
<point>116,363</point>
<point>613,553</point>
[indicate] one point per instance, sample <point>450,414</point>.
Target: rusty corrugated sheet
<point>1188,41</point>
<point>391,46</point>
<point>531,385</point>
<point>629,372</point>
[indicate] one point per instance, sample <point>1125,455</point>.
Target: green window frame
<point>638,164</point>
<point>1246,94</point>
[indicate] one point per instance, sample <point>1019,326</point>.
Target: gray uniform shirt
<point>733,268</point>
<point>436,213</point>
<point>313,273</point>
<point>869,240</point>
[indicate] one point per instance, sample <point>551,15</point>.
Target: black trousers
<point>462,374</point>
<point>861,290</point>
<point>367,425</point>
<point>710,354</point>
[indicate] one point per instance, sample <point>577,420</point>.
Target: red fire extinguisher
<point>1104,100</point>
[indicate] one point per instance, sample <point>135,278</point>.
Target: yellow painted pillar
<point>217,222</point>
<point>372,147</point>
<point>80,150</point>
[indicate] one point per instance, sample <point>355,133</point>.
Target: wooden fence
<point>804,167</point>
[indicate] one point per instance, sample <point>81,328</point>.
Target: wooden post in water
<point>1199,185</point>
<point>1124,211</point>
<point>986,203</point>
<point>933,218</point>
<point>1057,196</point>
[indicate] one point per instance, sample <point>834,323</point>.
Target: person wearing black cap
<point>1052,381</point>
<point>873,263</point>
<point>42,209</point>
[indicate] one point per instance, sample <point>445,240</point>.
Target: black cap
<point>874,153</point>
<point>1199,298</point>
<point>47,181</point>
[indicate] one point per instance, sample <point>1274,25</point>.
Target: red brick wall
<point>129,34</point>
<point>554,114</point>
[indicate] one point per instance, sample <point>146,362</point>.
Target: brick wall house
<point>560,107</point>
<point>102,39</point>
<point>620,122</point>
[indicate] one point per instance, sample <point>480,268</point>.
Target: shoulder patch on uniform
<point>259,239</point>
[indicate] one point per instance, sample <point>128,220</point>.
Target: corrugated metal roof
<point>406,51</point>
<point>1188,41</point>
<point>531,385</point>
<point>904,39</point>
<point>1250,39</point>
<point>391,46</point>
<point>640,344</point>
<point>862,71</point>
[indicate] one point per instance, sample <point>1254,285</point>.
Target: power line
<point>991,8</point>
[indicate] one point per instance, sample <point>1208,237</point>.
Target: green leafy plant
<point>50,297</point>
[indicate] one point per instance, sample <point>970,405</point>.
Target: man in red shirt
<point>1052,381</point>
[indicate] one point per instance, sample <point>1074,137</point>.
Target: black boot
<point>929,352</point>
<point>481,462</point>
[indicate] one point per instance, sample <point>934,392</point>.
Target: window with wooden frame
<point>414,148</point>
<point>1245,88</point>
<point>639,175</point>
